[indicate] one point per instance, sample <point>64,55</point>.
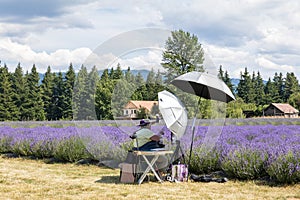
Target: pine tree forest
<point>87,95</point>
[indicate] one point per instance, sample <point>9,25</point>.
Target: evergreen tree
<point>245,88</point>
<point>153,85</point>
<point>93,79</point>
<point>103,96</point>
<point>228,82</point>
<point>294,100</point>
<point>271,93</point>
<point>151,92</point>
<point>111,73</point>
<point>27,103</point>
<point>221,73</point>
<point>279,85</point>
<point>158,78</point>
<point>129,77</point>
<point>224,76</point>
<point>18,85</point>
<point>79,94</point>
<point>291,85</point>
<point>84,94</point>
<point>68,92</point>
<point>259,88</point>
<point>118,73</point>
<point>159,86</point>
<point>34,106</point>
<point>139,80</point>
<point>58,100</point>
<point>139,92</point>
<point>8,109</point>
<point>122,93</point>
<point>47,93</point>
<point>151,77</point>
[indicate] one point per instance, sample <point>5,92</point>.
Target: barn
<point>281,110</point>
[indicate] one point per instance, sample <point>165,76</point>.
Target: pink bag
<point>179,173</point>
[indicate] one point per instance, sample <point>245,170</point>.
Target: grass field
<point>34,179</point>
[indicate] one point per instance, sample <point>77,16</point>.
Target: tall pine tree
<point>224,76</point>
<point>8,109</point>
<point>103,96</point>
<point>68,92</point>
<point>34,106</point>
<point>291,85</point>
<point>58,100</point>
<point>259,88</point>
<point>80,95</point>
<point>47,94</point>
<point>18,85</point>
<point>271,93</point>
<point>279,85</point>
<point>245,88</point>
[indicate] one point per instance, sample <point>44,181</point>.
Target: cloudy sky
<point>262,35</point>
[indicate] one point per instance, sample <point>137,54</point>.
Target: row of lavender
<point>202,122</point>
<point>244,152</point>
<point>250,152</point>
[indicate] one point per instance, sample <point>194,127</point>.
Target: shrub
<point>70,149</point>
<point>244,163</point>
<point>285,168</point>
<point>204,160</point>
<point>5,144</point>
<point>22,147</point>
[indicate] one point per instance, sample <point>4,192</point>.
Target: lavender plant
<point>244,152</point>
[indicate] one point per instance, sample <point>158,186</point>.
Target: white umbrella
<point>173,112</point>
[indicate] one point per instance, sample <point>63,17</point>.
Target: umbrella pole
<point>193,133</point>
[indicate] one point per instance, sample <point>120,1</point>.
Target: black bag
<point>207,178</point>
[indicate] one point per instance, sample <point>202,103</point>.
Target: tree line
<point>88,96</point>
<point>255,94</point>
<point>65,96</point>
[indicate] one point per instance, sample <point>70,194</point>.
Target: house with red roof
<point>132,107</point>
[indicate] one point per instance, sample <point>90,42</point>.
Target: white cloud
<point>232,60</point>
<point>100,61</point>
<point>268,64</point>
<point>149,59</point>
<point>58,60</point>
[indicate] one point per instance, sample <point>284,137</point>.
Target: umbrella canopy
<point>204,85</point>
<point>173,112</point>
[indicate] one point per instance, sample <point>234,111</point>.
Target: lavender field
<point>250,152</point>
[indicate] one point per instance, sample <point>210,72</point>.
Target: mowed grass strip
<point>34,179</point>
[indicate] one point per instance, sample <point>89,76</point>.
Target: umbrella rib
<point>173,114</point>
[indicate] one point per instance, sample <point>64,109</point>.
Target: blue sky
<point>262,35</point>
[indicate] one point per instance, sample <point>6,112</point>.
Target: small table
<point>150,163</point>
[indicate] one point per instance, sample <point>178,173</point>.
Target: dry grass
<point>34,179</point>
